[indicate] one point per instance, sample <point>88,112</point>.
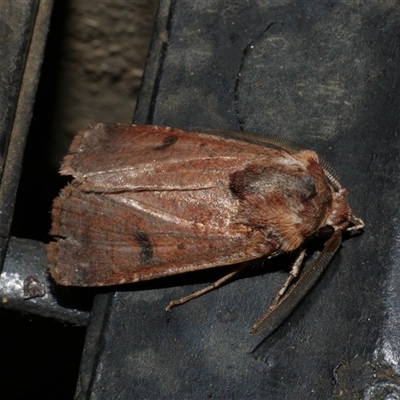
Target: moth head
<point>341,216</point>
<point>289,198</point>
<point>338,214</point>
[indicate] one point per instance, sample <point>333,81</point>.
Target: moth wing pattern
<point>115,225</point>
<point>117,157</point>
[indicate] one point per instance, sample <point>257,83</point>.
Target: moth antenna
<point>261,139</point>
<point>278,313</point>
<point>330,173</point>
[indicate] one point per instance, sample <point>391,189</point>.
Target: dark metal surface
<point>23,30</point>
<point>16,24</point>
<point>25,284</point>
<point>322,73</point>
<point>37,354</point>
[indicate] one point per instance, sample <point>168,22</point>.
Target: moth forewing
<point>148,202</point>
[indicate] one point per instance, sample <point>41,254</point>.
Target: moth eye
<point>325,232</point>
<point>308,188</point>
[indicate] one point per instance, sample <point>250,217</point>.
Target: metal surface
<point>23,30</point>
<point>323,74</point>
<point>25,285</point>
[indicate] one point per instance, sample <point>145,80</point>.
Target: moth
<point>148,202</point>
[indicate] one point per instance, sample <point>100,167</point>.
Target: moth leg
<point>293,274</point>
<point>358,224</point>
<point>207,289</point>
<point>279,311</point>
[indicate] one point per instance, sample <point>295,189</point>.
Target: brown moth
<point>148,202</point>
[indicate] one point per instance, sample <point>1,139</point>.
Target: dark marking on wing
<point>167,142</point>
<point>259,180</point>
<point>308,189</point>
<point>146,248</point>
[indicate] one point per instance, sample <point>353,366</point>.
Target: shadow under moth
<point>148,202</point>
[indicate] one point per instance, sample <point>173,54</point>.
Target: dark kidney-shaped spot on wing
<point>146,248</point>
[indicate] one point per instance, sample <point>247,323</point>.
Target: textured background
<point>323,73</point>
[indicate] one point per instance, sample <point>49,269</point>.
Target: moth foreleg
<point>281,308</point>
<point>207,289</point>
<point>293,274</point>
